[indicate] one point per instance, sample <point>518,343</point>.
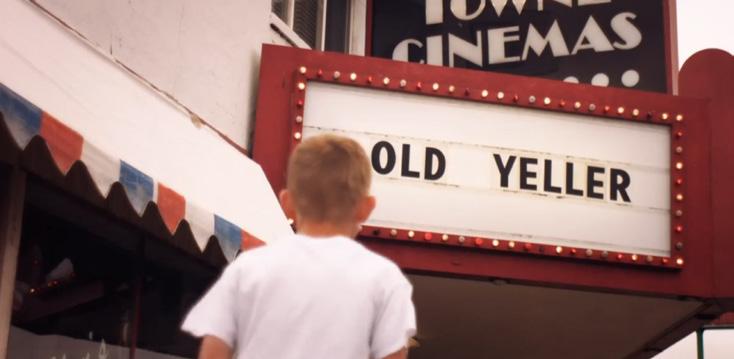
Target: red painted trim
<point>725,319</point>
<point>520,247</point>
<point>279,98</point>
<point>383,82</point>
<point>709,74</point>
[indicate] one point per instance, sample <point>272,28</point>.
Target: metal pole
<point>138,284</point>
<point>12,199</point>
<point>699,342</point>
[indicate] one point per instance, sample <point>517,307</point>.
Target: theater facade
<point>551,182</point>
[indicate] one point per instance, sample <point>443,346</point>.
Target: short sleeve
<point>215,314</point>
<point>395,322</point>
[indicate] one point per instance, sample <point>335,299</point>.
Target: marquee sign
<point>507,173</point>
<point>496,163</point>
<point>618,43</point>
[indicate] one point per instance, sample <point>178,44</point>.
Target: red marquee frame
<point>284,78</point>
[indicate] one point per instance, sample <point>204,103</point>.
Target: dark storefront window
<point>73,294</point>
<point>167,295</point>
<point>81,296</point>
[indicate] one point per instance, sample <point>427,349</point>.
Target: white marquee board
<point>629,210</point>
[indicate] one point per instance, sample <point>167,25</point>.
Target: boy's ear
<point>286,202</point>
<point>364,209</point>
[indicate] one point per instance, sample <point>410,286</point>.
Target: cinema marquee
<point>507,175</point>
<point>503,164</point>
<point>503,182</point>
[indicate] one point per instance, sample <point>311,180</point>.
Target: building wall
<point>203,54</point>
<point>121,118</point>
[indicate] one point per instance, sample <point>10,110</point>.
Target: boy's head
<point>328,182</point>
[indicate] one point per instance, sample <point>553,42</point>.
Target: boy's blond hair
<point>327,177</point>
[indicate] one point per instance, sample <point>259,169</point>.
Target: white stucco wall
<point>204,54</point>
<point>121,118</point>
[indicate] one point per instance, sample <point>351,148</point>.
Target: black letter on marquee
<point>430,154</point>
<point>376,157</point>
<point>504,169</point>
<point>619,186</point>
<point>548,178</point>
<point>405,165</point>
<point>591,183</point>
<point>525,173</point>
<point>569,181</point>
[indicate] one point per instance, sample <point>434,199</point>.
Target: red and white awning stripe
<point>26,121</point>
<point>88,109</point>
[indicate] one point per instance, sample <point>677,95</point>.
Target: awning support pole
<point>12,198</point>
<point>699,343</point>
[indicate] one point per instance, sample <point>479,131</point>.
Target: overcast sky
<point>703,24</point>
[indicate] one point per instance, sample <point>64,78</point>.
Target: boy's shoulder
<point>281,251</point>
<point>264,252</point>
<point>377,258</point>
<point>382,266</point>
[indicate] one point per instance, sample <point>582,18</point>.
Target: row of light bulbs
<point>547,101</point>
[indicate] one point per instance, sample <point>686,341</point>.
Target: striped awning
<point>73,114</point>
<point>23,123</point>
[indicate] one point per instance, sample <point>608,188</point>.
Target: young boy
<point>317,294</point>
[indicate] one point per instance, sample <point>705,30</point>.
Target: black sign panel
<point>619,43</point>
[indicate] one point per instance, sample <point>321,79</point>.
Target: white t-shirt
<point>308,298</point>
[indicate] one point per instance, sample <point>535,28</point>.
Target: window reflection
<point>81,296</point>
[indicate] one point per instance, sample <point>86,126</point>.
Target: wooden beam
<point>63,299</point>
<point>12,198</point>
